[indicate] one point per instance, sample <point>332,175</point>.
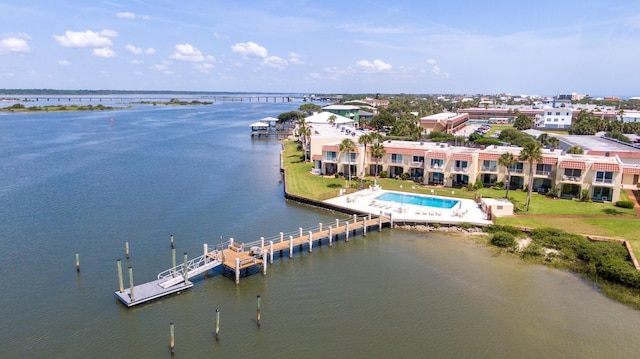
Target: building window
<point>396,158</point>
<point>557,113</point>
<point>573,172</point>
<point>604,177</point>
<point>418,159</point>
<point>331,156</point>
<point>435,163</point>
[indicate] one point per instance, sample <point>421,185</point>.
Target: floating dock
<point>236,257</point>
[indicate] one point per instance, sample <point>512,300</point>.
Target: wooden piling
<point>171,240</point>
<point>346,231</point>
<point>185,270</point>
<point>300,230</point>
<point>310,241</point>
<point>237,270</point>
<point>172,341</point>
<point>364,226</point>
<point>217,324</point>
<point>271,252</point>
<point>120,283</point>
<point>173,259</point>
<point>258,312</point>
<point>281,237</point>
<point>319,227</point>
<point>290,246</point>
<point>265,254</point>
<point>330,236</point>
<point>78,262</point>
<point>131,294</point>
<point>126,249</point>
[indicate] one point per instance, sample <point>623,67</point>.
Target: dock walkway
<point>236,257</point>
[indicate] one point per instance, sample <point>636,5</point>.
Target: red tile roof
<point>573,164</point>
<point>608,167</point>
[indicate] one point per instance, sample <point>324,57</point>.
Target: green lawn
<point>495,128</point>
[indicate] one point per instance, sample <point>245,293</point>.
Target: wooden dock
<point>236,258</point>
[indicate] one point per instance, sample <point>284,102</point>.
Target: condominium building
<point>441,164</point>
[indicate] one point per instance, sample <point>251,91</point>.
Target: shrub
<point>465,225</point>
<point>532,250</point>
<point>404,176</point>
<point>503,239</point>
<point>435,225</point>
<point>384,174</point>
<point>493,228</point>
<point>584,195</point>
<point>625,204</point>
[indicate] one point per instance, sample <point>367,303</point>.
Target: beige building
<point>438,164</point>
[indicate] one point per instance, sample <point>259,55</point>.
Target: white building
<point>554,117</point>
<point>630,116</point>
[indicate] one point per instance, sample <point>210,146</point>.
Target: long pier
<point>236,258</point>
<point>134,99</point>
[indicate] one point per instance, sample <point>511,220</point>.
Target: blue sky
<point>543,47</point>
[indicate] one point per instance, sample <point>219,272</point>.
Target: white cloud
<point>126,15</point>
<point>104,52</point>
<point>376,66</point>
<point>136,62</point>
<point>315,75</point>
<point>249,49</point>
<point>85,39</point>
<point>159,67</point>
<point>439,73</point>
<point>295,59</point>
<point>203,67</point>
<point>186,52</point>
<point>139,50</point>
<point>275,62</point>
<point>64,63</point>
<point>432,61</point>
<point>14,44</point>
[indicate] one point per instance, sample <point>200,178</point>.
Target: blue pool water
<point>426,201</point>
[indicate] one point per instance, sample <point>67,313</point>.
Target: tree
<point>347,146</point>
<point>507,160</point>
<point>553,142</point>
<point>303,131</point>
<point>310,108</point>
<point>377,152</point>
<point>332,120</point>
<point>365,139</point>
<point>522,122</point>
<point>384,118</point>
<point>575,150</point>
<point>531,152</point>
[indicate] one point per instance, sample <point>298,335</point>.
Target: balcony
<point>398,162</point>
<point>566,178</point>
<point>489,169</point>
<point>436,168</point>
<point>517,171</point>
<point>417,164</point>
<point>460,169</point>
<point>330,159</point>
<point>543,173</point>
<point>605,181</point>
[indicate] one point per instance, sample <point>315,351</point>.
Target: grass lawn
<point>600,219</point>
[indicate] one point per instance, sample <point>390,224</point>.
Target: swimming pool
<point>418,200</point>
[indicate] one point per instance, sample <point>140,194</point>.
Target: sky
<point>324,46</point>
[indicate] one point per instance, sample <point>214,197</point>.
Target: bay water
<point>76,182</point>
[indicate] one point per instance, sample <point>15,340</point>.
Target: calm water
<point>426,201</point>
<point>71,182</point>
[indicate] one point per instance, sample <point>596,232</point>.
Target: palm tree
<point>365,139</point>
<point>303,131</point>
<point>347,146</point>
<point>507,160</point>
<point>377,152</point>
<point>332,120</point>
<point>531,152</point>
<point>554,142</point>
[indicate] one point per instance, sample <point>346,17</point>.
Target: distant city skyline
<point>542,48</point>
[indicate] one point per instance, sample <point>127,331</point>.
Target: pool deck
<point>467,211</point>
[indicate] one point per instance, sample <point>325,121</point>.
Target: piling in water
<point>172,341</point>
<point>131,294</point>
<point>217,324</point>
<point>258,312</point>
<point>120,283</point>
<point>78,262</point>
<point>126,249</point>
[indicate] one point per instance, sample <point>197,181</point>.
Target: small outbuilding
<point>496,207</point>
